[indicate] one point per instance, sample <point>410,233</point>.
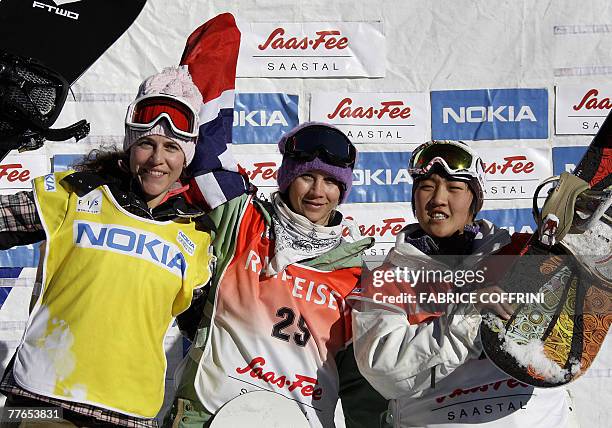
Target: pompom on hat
<point>292,168</point>
<point>175,81</point>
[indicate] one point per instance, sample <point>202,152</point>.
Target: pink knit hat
<point>174,81</point>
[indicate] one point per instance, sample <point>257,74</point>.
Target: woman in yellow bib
<point>124,255</point>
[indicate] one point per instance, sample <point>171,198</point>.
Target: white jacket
<point>403,360</point>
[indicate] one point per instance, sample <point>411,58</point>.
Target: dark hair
<point>107,162</point>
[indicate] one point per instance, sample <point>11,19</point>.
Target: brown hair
<point>109,162</point>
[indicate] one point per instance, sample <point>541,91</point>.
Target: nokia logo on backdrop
<point>477,114</point>
<point>263,118</point>
<point>259,118</point>
<point>489,114</point>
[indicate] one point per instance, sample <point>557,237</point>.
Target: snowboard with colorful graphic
<point>554,339</point>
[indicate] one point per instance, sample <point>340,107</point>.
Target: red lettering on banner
<point>15,175</point>
<point>267,170</point>
<point>276,41</point>
<point>392,108</point>
<point>304,384</point>
<point>590,101</point>
<point>510,383</point>
<point>512,163</point>
<point>391,225</point>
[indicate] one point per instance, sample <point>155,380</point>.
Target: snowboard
<point>66,37</point>
<point>554,339</point>
<point>260,409</point>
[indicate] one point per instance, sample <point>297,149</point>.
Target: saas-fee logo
<point>484,403</point>
<point>514,172</point>
<point>18,170</point>
<point>312,49</point>
<point>510,165</point>
<point>392,109</point>
<point>278,39</point>
<point>302,385</point>
<point>375,117</point>
<point>385,228</point>
<point>265,173</point>
<point>507,383</point>
<point>591,101</point>
<point>581,109</point>
<point>14,173</point>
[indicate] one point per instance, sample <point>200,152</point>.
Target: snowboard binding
<point>31,98</point>
<point>571,207</point>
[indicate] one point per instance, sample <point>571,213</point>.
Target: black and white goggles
<point>457,158</point>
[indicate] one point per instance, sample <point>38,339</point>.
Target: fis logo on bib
<point>90,203</point>
<point>131,242</point>
<point>489,114</point>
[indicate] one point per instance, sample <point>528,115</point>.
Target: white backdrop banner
<point>380,221</point>
<point>18,169</point>
<point>581,109</point>
<point>375,117</point>
<point>514,172</point>
<point>311,49</point>
<point>562,49</point>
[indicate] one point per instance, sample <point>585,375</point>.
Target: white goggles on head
<point>456,158</point>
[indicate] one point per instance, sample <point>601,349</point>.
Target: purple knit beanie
<point>291,168</point>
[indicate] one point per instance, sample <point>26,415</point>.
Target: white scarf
<point>297,238</point>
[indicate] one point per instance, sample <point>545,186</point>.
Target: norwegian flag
<point>211,54</point>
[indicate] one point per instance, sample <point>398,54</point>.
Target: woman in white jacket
<point>428,359</point>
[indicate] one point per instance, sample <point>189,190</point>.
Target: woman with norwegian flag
<point>271,341</point>
<point>124,255</point>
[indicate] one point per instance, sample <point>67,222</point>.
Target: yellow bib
<point>112,284</point>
